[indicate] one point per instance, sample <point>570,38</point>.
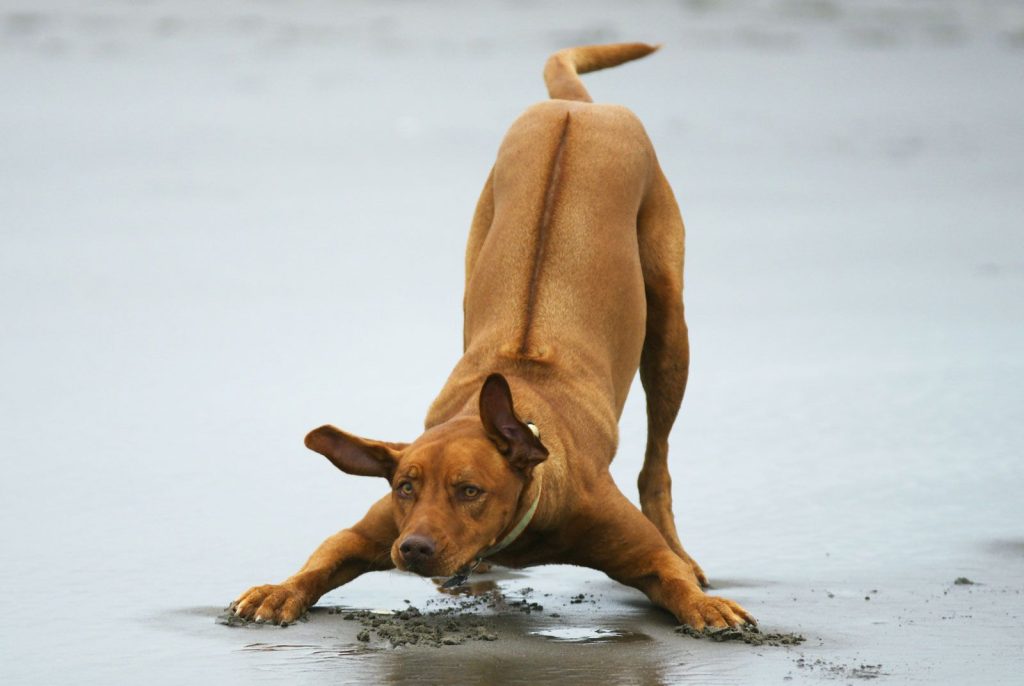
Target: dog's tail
<point>561,73</point>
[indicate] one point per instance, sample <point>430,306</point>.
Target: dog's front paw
<point>270,603</point>
<point>707,610</point>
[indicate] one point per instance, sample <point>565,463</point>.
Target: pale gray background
<point>222,224</point>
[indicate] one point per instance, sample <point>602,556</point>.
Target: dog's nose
<point>417,548</point>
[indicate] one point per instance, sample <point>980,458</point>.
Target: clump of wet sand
<point>747,633</point>
<point>410,626</point>
<point>452,624</point>
<point>229,618</point>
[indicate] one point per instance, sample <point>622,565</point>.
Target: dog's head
<point>456,488</point>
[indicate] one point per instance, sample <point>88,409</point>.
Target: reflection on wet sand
<point>472,588</point>
<point>587,634</point>
<point>594,664</point>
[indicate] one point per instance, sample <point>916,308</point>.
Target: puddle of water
<point>591,635</point>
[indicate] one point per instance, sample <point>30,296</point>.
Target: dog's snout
<point>416,549</point>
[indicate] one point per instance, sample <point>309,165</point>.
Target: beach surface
<point>223,224</point>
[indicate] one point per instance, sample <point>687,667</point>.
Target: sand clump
<point>453,624</point>
<point>746,633</point>
<point>410,626</point>
<point>229,618</point>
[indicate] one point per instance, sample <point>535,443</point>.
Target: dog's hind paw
<point>270,603</point>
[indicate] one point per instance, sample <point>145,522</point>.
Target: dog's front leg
<point>626,546</point>
<point>366,547</point>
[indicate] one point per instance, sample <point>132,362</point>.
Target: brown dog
<point>573,280</point>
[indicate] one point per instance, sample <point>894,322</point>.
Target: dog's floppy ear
<point>355,455</point>
<point>513,438</point>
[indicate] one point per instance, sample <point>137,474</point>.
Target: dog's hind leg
<point>665,360</point>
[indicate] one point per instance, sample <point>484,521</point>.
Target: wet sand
<point>531,627</point>
<point>221,226</point>
<point>480,609</point>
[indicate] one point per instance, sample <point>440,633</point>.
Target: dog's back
<point>558,273</point>
<point>553,267</point>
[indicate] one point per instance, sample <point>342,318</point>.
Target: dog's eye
<point>405,489</point>
<point>469,492</point>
